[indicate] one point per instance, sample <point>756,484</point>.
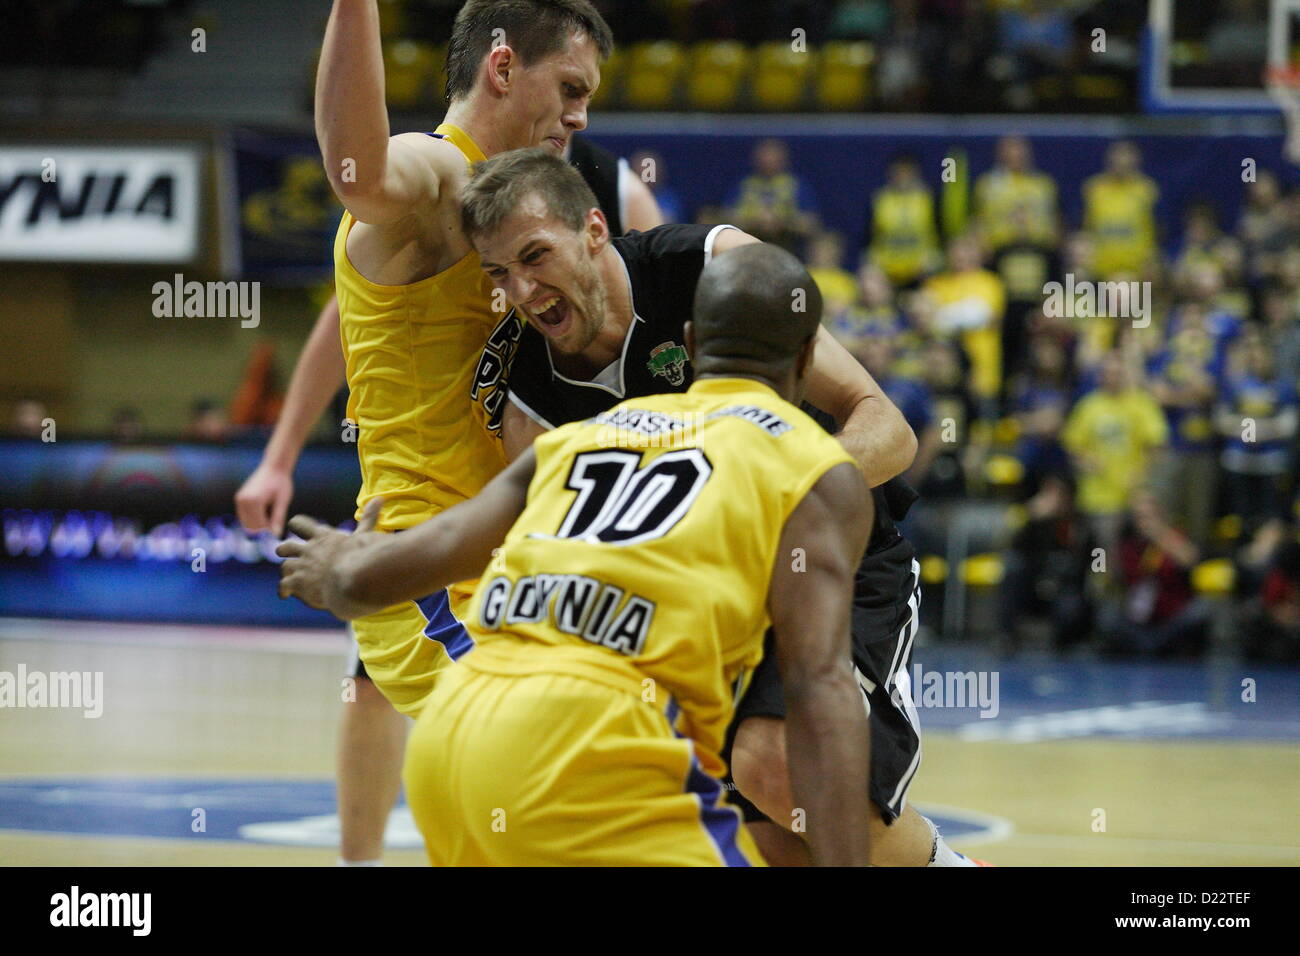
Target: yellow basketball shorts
<point>406,648</point>
<point>559,770</point>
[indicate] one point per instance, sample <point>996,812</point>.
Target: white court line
<point>993,828</point>
<point>259,640</point>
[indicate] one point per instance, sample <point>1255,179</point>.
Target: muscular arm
<point>263,500</point>
<point>827,740</point>
<point>379,179</point>
<point>358,574</point>
<point>872,428</point>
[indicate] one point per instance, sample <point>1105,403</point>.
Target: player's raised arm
<point>377,177</point>
<point>827,740</point>
<point>362,573</point>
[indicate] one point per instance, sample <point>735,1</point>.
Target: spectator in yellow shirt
<point>969,302</point>
<point>1015,202</point>
<point>1111,434</point>
<point>903,239</point>
<point>1119,212</point>
<point>772,202</point>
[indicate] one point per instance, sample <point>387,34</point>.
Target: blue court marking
<point>158,808</point>
<point>1043,698</point>
<point>259,812</point>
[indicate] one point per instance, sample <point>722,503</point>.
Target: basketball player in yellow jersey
<point>618,623</point>
<point>414,311</point>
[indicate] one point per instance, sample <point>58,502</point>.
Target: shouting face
<point>548,272</point>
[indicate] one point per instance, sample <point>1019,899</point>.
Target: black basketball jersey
<point>603,172</point>
<point>664,266</point>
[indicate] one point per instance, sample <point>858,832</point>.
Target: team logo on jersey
<point>668,360</point>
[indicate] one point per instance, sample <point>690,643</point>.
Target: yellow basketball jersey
<point>904,239</point>
<point>1120,214</point>
<point>412,351</point>
<point>646,549</point>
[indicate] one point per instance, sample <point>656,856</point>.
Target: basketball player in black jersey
<point>601,320</point>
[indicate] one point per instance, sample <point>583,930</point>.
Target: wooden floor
<point>215,705</point>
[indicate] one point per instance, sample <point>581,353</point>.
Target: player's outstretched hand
<point>263,500</point>
<point>315,567</point>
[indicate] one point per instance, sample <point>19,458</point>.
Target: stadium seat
<point>653,75</point>
<point>611,81</point>
<point>934,569</point>
<point>1003,471</point>
<point>781,76</point>
<point>1216,577</point>
<point>411,73</point>
<point>983,570</point>
<point>844,79</point>
<point>717,72</point>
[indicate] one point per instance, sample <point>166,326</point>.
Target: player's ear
<point>500,60</point>
<point>597,229</point>
<point>688,330</point>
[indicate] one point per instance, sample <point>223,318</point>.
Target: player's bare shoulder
<point>426,239</point>
<point>444,161</point>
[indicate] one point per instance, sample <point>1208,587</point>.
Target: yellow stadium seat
<point>392,19</point>
<point>1215,577</point>
<point>1003,471</point>
<point>653,74</point>
<point>411,73</point>
<point>781,76</point>
<point>934,569</point>
<point>717,72</point>
<point>611,81</point>
<point>983,570</point>
<point>844,80</point>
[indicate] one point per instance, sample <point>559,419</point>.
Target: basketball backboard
<point>1213,56</point>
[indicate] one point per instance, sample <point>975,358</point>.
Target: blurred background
<point>1095,487</point>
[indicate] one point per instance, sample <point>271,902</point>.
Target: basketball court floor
<point>215,747</point>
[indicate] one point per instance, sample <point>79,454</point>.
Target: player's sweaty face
<point>548,273</point>
<point>552,94</point>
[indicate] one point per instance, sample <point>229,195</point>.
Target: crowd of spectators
<point>1147,438</point>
